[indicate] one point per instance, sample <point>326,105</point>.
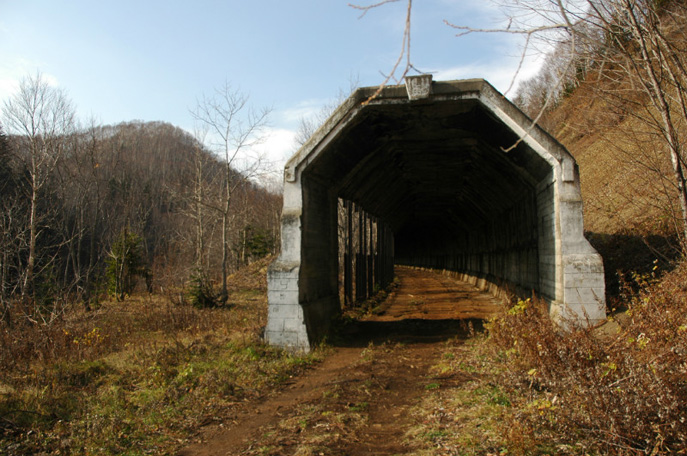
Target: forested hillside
<point>138,196</point>
<point>118,251</point>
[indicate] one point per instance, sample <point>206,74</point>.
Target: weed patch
<point>626,394</point>
<point>464,415</point>
<point>134,377</point>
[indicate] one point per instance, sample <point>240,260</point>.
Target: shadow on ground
<point>360,333</point>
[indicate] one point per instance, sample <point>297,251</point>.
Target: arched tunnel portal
<point>463,181</point>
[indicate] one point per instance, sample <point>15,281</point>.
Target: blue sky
<point>152,59</point>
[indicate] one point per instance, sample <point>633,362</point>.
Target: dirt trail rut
<point>358,400</point>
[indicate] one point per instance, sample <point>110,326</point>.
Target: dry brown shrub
<point>252,276</point>
<point>80,335</point>
<point>624,393</point>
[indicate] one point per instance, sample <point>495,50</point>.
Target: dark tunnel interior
<point>438,175</point>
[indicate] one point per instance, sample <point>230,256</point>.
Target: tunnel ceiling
<point>429,163</point>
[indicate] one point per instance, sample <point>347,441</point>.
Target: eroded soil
<point>358,400</point>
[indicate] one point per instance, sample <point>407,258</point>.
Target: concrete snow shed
<point>435,162</point>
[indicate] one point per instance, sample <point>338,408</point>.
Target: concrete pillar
<point>286,319</point>
<point>302,282</point>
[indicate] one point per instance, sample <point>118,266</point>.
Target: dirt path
<point>430,296</point>
<point>359,399</point>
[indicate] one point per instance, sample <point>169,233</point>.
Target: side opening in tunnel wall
<point>365,254</point>
<point>432,181</point>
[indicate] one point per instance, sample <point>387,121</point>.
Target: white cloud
<point>264,160</point>
<point>8,87</point>
<point>50,79</point>
<point>499,74</point>
<point>12,72</point>
<point>305,109</point>
<point>277,147</point>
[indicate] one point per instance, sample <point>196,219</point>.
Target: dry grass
<point>143,376</point>
<point>134,377</point>
<point>535,389</point>
<point>466,414</point>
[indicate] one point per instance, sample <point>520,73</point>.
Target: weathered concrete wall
<point>318,279</point>
<point>547,248</point>
<point>437,170</point>
<point>580,289</point>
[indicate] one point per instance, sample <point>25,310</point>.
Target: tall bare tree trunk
<point>224,294</point>
<point>200,235</point>
<point>27,288</point>
<point>44,116</point>
<point>656,91</point>
<point>235,130</point>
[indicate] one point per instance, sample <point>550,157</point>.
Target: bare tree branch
<point>405,48</point>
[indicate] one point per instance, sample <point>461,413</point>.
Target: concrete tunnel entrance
<point>432,165</point>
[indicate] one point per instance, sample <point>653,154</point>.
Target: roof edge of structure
<point>491,99</point>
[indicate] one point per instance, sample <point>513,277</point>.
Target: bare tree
<point>195,192</point>
<point>199,166</point>
<point>43,116</point>
<point>234,128</point>
<point>12,226</point>
<point>79,188</point>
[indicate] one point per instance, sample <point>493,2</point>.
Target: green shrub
<point>125,264</point>
<point>201,294</point>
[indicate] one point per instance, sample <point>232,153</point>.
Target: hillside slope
<point>630,204</point>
